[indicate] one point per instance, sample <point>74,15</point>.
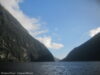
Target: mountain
<point>56,59</point>
<point>89,51</point>
<point>16,44</point>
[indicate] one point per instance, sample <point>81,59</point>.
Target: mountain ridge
<point>88,51</point>
<point>16,44</point>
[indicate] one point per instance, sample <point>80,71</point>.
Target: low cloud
<point>33,25</point>
<point>47,41</point>
<point>93,32</point>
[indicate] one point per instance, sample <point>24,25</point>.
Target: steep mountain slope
<point>89,51</point>
<point>16,45</point>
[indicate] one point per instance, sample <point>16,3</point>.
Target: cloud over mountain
<point>93,32</point>
<point>33,25</point>
<point>49,43</point>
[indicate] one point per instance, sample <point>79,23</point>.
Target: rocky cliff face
<point>89,51</point>
<point>16,45</point>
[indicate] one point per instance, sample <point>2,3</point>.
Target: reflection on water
<point>71,68</point>
<point>54,68</point>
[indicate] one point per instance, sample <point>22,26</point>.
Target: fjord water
<point>53,68</point>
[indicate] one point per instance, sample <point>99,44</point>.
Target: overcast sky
<point>60,24</point>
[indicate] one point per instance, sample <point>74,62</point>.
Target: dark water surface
<point>50,68</point>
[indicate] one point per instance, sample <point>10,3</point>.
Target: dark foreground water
<point>50,68</point>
